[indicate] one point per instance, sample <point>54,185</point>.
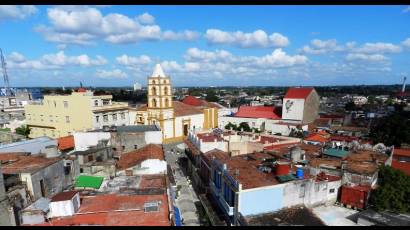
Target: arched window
<point>153,81</point>
<point>166,90</point>
<point>167,102</point>
<point>154,103</point>
<point>154,91</point>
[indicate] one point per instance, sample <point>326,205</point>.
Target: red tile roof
<point>191,100</point>
<point>401,152</point>
<point>153,181</point>
<point>181,109</point>
<point>209,137</point>
<point>65,143</point>
<point>402,166</point>
<point>257,112</point>
<point>25,164</point>
<point>117,210</point>
<point>63,196</point>
<point>316,137</point>
<point>81,90</point>
<point>298,93</point>
<point>130,159</point>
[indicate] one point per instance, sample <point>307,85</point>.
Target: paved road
<point>186,196</point>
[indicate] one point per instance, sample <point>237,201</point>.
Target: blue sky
<point>206,45</point>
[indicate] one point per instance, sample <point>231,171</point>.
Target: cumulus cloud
<point>16,12</point>
<point>258,38</point>
<point>217,63</point>
<point>365,57</point>
<point>379,47</point>
<point>146,18</point>
<point>84,25</point>
<point>406,43</point>
<point>318,46</point>
<point>133,61</point>
<point>106,74</point>
<point>53,61</point>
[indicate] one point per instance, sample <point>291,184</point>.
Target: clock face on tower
<point>288,105</point>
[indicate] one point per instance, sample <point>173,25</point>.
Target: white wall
<point>197,120</point>
<point>153,137</point>
<point>296,110</point>
<point>64,208</point>
<point>83,140</point>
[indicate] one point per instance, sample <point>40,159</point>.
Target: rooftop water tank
<point>299,172</point>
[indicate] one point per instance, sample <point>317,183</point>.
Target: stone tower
<point>160,106</point>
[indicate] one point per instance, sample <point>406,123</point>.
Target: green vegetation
<point>211,96</point>
<point>242,126</point>
<point>5,130</point>
<point>23,130</point>
<point>393,192</point>
<point>392,130</point>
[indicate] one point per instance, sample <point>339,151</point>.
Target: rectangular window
<point>41,118</point>
<point>65,104</point>
<point>51,118</point>
<point>317,187</point>
<point>105,118</point>
<point>97,119</point>
<point>302,191</point>
<point>123,116</point>
<point>135,146</point>
<point>67,119</point>
<point>114,117</point>
<point>332,190</point>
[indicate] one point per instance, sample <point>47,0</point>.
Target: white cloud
<point>146,18</point>
<point>379,47</point>
<point>406,10</point>
<point>365,57</point>
<point>16,12</point>
<point>84,25</point>
<point>133,61</point>
<point>318,46</point>
<point>406,43</point>
<point>258,38</point>
<point>53,61</point>
<point>217,63</point>
<point>106,74</point>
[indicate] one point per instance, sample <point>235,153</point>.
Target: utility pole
<point>5,76</point>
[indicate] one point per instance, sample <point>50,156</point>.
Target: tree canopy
<point>392,130</point>
<point>23,130</point>
<point>393,192</point>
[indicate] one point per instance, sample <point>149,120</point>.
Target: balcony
<point>228,209</point>
<point>113,107</point>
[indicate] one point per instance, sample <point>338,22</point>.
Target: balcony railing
<point>113,106</point>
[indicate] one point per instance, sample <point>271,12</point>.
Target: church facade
<point>175,118</point>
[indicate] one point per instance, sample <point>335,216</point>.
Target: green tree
<point>350,106</point>
<point>23,130</point>
<point>230,125</point>
<point>393,192</point>
<point>244,126</point>
<point>211,96</point>
<point>392,130</point>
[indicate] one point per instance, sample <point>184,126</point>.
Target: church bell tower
<point>160,106</point>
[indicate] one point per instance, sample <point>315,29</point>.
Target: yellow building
<point>61,115</point>
<point>175,118</point>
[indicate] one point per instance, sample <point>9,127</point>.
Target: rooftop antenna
<point>5,76</point>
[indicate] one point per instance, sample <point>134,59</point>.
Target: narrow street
<point>186,198</point>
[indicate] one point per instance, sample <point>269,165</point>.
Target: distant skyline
<point>116,46</point>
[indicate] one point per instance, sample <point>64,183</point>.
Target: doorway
<point>43,188</point>
<point>185,129</point>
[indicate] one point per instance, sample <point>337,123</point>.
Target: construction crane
<point>5,76</point>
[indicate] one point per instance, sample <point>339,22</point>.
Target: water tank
<point>282,168</point>
<point>299,172</point>
<point>51,151</point>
